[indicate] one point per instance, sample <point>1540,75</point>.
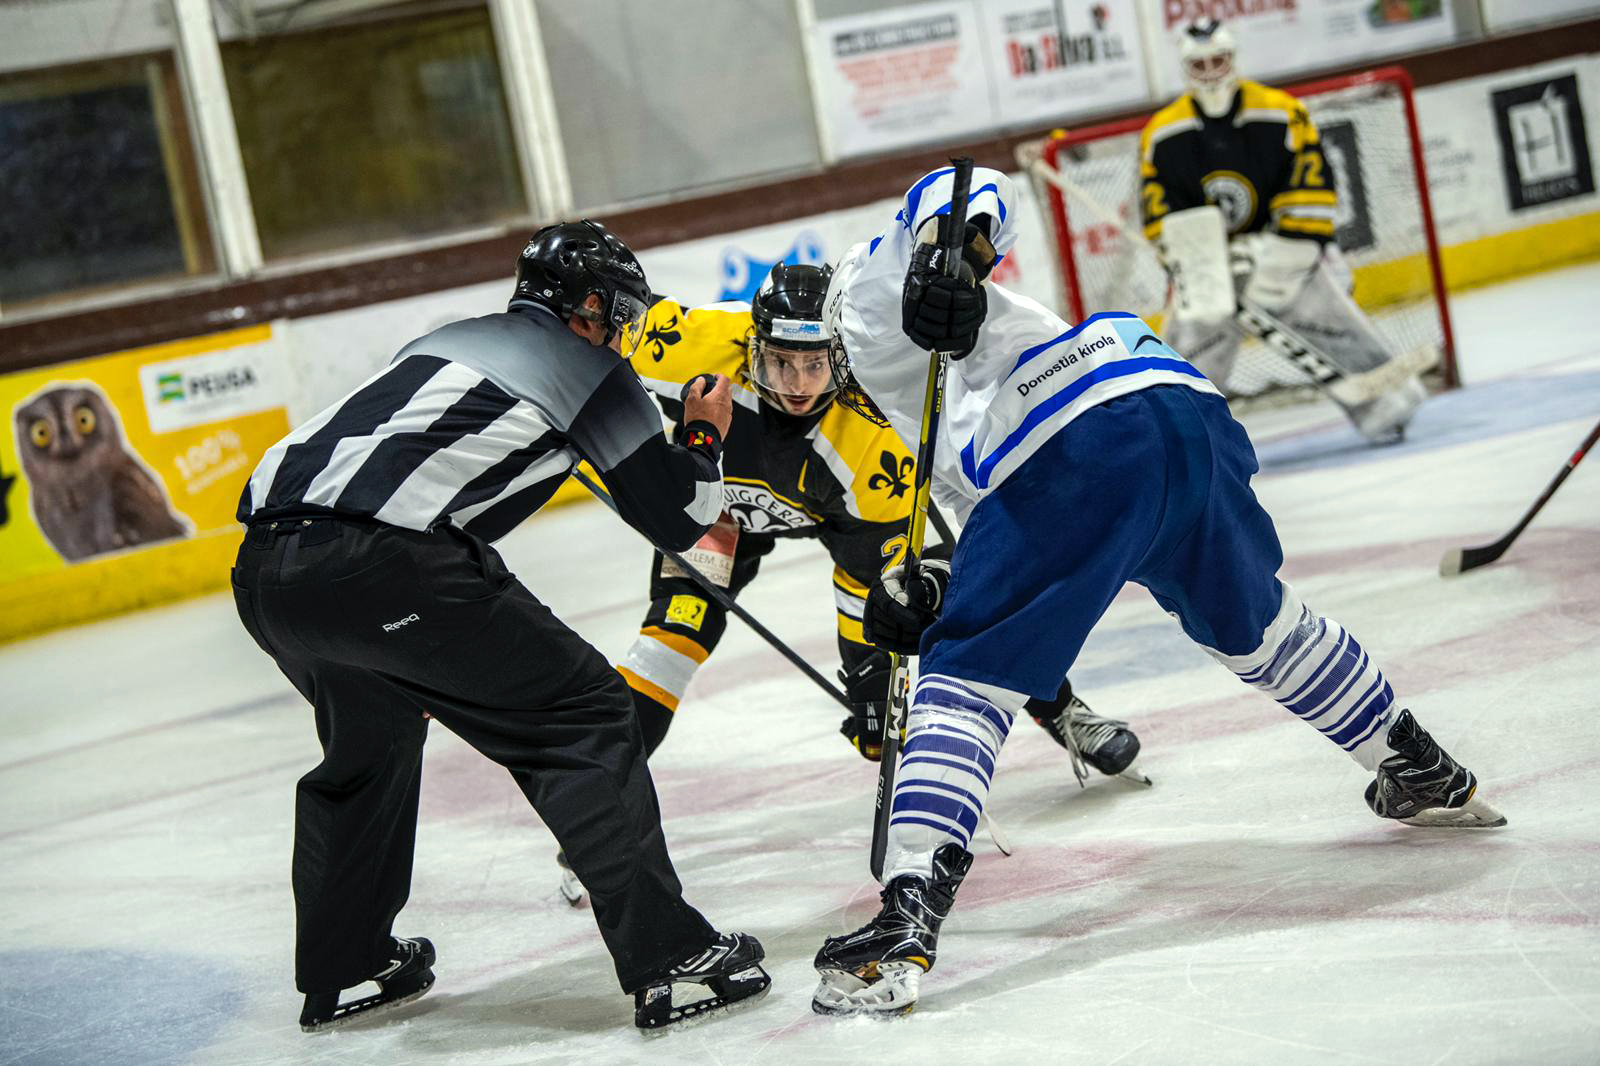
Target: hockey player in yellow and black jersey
<point>795,464</point>
<point>1254,153</point>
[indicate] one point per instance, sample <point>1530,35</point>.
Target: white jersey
<point>1030,373</point>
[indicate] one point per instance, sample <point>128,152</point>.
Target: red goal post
<point>1089,179</point>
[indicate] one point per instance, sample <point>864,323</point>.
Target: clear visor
<point>1213,69</point>
<point>626,320</point>
<point>796,380</point>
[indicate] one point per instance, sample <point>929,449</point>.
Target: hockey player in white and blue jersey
<point>1079,458</point>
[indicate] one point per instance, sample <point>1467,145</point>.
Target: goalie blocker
<point>1293,296</point>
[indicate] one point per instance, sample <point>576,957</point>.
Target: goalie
<point>1234,170</point>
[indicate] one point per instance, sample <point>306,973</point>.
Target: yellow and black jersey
<point>1261,163</point>
<point>833,475</point>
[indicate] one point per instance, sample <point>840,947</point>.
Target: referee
<point>366,573</point>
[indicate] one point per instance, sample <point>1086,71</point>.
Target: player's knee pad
<point>661,664</point>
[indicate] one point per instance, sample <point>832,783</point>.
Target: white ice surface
<point>1247,909</point>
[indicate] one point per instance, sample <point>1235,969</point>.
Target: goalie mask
<point>1208,51</point>
<point>563,265</point>
<point>787,356</point>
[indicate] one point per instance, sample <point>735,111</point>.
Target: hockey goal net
<point>1089,180</point>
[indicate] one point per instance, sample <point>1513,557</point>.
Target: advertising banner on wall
<point>907,75</point>
<point>731,266</point>
<point>1278,37</point>
<point>1544,148</point>
<point>1050,59</point>
<point>1501,14</point>
<point>117,454</point>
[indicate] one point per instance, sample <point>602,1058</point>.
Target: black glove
<point>899,609</point>
<point>866,685</point>
<point>939,313</point>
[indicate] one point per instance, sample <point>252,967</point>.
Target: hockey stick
<point>899,710</point>
<point>725,601</point>
<point>1345,388</point>
<point>1001,840</point>
<point>1460,560</point>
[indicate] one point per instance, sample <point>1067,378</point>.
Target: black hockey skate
<point>1107,744</point>
<point>878,968</point>
<point>1421,785</point>
<point>408,975</point>
<point>730,968</point>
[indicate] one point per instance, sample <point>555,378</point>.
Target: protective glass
<point>794,380</point>
<point>626,319</point>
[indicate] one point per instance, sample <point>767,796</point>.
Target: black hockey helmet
<point>563,264</point>
<point>788,350</point>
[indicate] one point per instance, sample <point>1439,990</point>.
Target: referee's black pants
<point>375,625</point>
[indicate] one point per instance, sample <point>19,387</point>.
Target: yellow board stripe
<point>677,642</point>
<point>654,691</point>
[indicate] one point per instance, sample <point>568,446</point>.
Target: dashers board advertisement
<point>1283,37</point>
<point>908,75</point>
<point>1050,59</point>
<point>117,454</point>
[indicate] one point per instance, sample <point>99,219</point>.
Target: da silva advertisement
<point>123,452</point>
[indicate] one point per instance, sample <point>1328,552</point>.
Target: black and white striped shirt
<point>477,424</point>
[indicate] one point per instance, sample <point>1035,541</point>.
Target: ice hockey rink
<point>1248,908</point>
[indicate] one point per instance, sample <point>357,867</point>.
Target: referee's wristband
<point>703,437</point>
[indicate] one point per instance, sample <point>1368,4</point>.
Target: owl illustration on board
<point>90,492</point>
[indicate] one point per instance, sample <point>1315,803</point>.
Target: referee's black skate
<point>408,975</point>
<point>1421,785</point>
<point>1107,744</point>
<point>878,968</point>
<point>729,968</point>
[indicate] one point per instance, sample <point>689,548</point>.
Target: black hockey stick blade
<point>1460,560</point>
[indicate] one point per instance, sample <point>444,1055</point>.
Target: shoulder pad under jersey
<point>680,342</point>
<point>1262,103</point>
<point>1176,117</point>
<point>870,461</point>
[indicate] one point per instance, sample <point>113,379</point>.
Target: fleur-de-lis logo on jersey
<point>661,337</point>
<point>896,476</point>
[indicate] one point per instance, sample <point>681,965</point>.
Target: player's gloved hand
<point>1281,266</point>
<point>899,608</point>
<point>940,313</point>
<point>866,685</point>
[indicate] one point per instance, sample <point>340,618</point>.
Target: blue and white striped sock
<point>1317,669</point>
<point>953,738</point>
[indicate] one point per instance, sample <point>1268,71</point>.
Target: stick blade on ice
<point>1460,560</point>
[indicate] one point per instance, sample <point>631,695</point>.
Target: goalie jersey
<point>1262,163</point>
<point>830,474</point>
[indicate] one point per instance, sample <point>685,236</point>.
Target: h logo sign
<point>1543,146</point>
